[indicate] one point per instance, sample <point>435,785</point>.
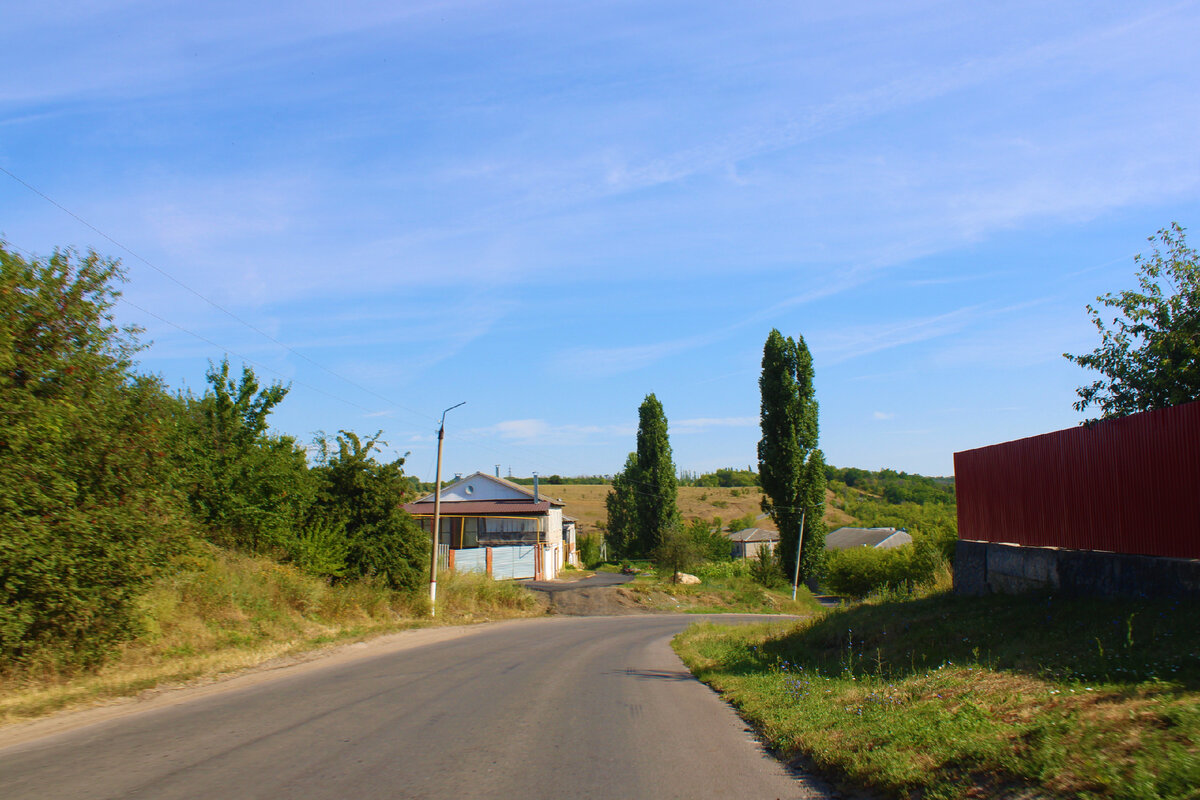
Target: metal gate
<point>514,561</point>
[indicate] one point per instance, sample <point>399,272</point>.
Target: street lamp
<point>437,515</point>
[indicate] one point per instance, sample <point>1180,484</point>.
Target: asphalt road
<point>593,707</point>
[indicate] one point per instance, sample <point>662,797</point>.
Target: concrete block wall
<point>986,567</point>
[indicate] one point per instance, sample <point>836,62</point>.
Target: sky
<point>550,210</point>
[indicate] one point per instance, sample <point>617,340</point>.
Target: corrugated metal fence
<point>1129,485</point>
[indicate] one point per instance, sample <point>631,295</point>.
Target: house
<point>489,524</point>
<point>746,543</point>
<point>881,538</point>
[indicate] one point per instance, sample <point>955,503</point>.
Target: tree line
<point>106,475</point>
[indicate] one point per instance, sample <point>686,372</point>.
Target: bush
<point>767,569</point>
<point>85,521</point>
<point>724,570</point>
<point>860,571</point>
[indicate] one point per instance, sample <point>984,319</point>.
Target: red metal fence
<point>1129,485</point>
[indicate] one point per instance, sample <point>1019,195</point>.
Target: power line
<point>211,302</point>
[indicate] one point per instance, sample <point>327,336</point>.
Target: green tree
<point>365,496</point>
<point>247,487</point>
<point>791,467</point>
<point>656,497</point>
<point>622,512</point>
<point>86,513</point>
<point>1150,357</point>
<point>676,550</point>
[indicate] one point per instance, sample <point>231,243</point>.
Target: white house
<point>494,525</point>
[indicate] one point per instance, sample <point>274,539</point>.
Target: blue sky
<point>550,210</point>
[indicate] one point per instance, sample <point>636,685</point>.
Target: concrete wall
<point>986,567</point>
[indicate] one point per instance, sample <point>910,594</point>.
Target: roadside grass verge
<point>220,612</point>
<point>950,697</point>
<point>720,595</point>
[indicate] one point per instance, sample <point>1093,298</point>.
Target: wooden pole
<point>799,544</point>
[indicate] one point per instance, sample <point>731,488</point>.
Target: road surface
<point>593,707</point>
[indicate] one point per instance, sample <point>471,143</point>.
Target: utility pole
<point>437,515</point>
<point>799,544</point>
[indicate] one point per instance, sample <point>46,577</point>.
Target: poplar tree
<point>791,467</point>
<point>642,506</point>
<point>655,501</point>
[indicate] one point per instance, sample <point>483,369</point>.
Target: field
<point>586,504</point>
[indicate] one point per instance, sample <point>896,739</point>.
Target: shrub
<point>767,569</point>
<point>718,570</point>
<point>859,571</point>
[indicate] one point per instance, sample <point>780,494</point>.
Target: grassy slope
<point>957,697</point>
<point>218,612</point>
<point>586,504</point>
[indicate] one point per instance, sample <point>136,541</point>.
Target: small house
<point>747,542</point>
<point>489,524</point>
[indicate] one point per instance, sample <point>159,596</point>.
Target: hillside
<point>586,504</point>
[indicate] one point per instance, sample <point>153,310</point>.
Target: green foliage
<point>383,542</point>
<point>791,468</point>
<point>656,498</point>
<point>1150,357</point>
<point>859,571</point>
<point>724,570</point>
<point>621,522</point>
<point>725,477</point>
<point>711,544</point>
<point>767,569</point>
<point>247,488</point>
<point>321,549</point>
<point>84,520</point>
<point>747,520</point>
<point>589,549</point>
<point>675,552</point>
<point>895,487</point>
<point>642,506</point>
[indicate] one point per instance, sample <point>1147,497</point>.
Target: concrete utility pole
<point>437,515</point>
<point>799,543</point>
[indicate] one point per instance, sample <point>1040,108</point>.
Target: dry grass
<point>586,504</point>
<point>220,612</point>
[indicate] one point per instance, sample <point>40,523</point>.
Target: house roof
<point>476,476</point>
<point>754,535</point>
<point>462,508</point>
<point>883,538</point>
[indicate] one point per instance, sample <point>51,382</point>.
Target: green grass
<point>722,595</point>
<point>948,697</point>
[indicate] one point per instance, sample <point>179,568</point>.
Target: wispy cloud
<point>705,424</point>
<point>882,415</point>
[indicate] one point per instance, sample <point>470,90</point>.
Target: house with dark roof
<point>881,538</point>
<point>747,542</point>
<point>489,524</point>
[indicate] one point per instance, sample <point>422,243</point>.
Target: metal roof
<point>754,535</point>
<point>885,538</point>
<point>473,508</point>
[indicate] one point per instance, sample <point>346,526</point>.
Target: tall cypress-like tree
<point>655,500</point>
<point>791,467</point>
<point>642,505</point>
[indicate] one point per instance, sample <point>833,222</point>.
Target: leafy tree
<point>248,488</point>
<point>711,544</point>
<point>655,501</point>
<point>791,468</point>
<point>364,495</point>
<point>1150,357</point>
<point>622,513</point>
<point>676,551</point>
<point>86,517</point>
